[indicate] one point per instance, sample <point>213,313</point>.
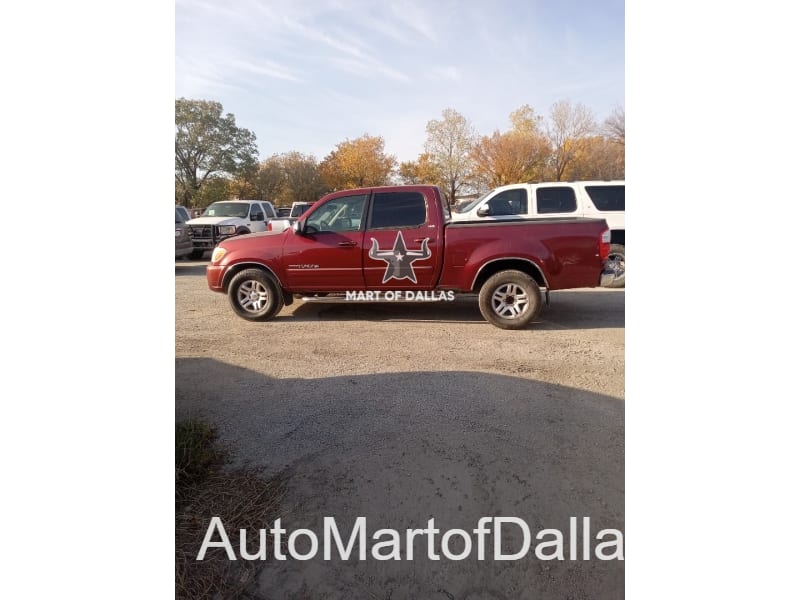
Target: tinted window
<point>607,197</point>
<point>268,212</point>
<point>397,209</point>
<point>339,214</point>
<point>509,202</point>
<point>299,209</point>
<point>256,213</point>
<point>555,200</point>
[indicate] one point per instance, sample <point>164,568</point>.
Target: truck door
<point>402,244</point>
<point>327,256</point>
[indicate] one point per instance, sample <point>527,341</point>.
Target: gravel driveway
<point>405,412</point>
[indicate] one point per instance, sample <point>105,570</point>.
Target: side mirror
<point>259,216</point>
<point>484,211</point>
<point>298,227</point>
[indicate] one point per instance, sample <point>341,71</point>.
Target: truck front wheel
<point>510,299</point>
<point>255,295</point>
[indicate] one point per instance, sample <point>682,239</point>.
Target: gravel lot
<point>403,412</point>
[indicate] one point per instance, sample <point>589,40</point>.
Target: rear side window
<point>555,200</point>
<point>608,198</point>
<point>268,212</point>
<point>397,209</point>
<point>509,202</point>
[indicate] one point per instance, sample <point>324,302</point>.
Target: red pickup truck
<point>388,240</point>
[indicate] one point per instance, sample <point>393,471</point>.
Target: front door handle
<point>347,244</point>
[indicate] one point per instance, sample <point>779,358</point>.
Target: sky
<point>306,75</point>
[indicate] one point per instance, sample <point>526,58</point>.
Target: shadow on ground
<point>195,268</point>
<point>401,448</point>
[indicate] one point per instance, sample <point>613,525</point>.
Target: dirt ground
<point>405,412</point>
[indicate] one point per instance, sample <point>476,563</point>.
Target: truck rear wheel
<point>616,264</point>
<point>255,295</point>
<point>510,299</point>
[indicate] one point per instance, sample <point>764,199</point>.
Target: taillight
<point>269,226</point>
<point>605,244</point>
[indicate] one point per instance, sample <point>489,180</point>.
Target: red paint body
<point>567,252</point>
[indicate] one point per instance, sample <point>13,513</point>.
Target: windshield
<point>228,209</point>
<point>470,205</point>
<point>299,209</point>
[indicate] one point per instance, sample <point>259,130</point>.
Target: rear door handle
<point>347,244</point>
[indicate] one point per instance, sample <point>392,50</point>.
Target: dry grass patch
<point>205,487</point>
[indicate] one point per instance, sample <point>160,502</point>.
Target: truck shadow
<point>584,309</point>
<point>402,448</point>
<point>193,268</point>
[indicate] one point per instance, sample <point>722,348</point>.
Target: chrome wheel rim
<point>509,301</point>
<point>616,264</point>
<point>252,296</point>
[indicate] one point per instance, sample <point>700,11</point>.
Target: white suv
<point>225,219</point>
<point>559,199</point>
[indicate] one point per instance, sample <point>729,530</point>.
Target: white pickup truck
<point>227,218</point>
<point>596,199</point>
<point>282,224</point>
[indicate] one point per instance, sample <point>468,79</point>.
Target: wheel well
<point>230,273</point>
<point>618,237</point>
<point>517,264</point>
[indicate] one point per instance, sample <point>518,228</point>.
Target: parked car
<point>554,200</point>
<point>295,212</point>
<point>227,218</point>
<point>183,243</point>
<point>184,212</point>
<point>283,211</point>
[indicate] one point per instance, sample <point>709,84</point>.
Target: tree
<point>614,126</point>
<point>270,179</point>
<point>208,144</point>
<point>215,188</point>
<point>598,158</point>
<point>525,120</point>
<point>568,127</point>
<point>515,156</point>
<point>449,143</point>
<point>303,182</point>
<point>421,171</point>
<point>357,163</point>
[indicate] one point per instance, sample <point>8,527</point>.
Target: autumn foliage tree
<point>358,163</point>
<point>518,155</point>
<point>420,171</point>
<point>598,157</point>
<point>567,130</point>
<point>449,144</point>
<point>270,179</point>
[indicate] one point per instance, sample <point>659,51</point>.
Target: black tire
<point>196,254</point>
<point>255,295</point>
<point>616,263</point>
<point>510,299</point>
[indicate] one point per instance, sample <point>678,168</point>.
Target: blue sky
<point>305,75</point>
